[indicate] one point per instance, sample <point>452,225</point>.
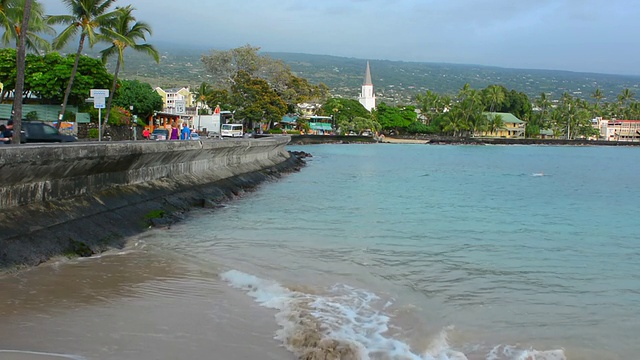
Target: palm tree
<point>203,93</point>
<point>87,16</point>
<point>7,8</point>
<point>123,33</point>
<point>427,103</point>
<point>496,122</point>
<point>12,23</point>
<point>495,96</point>
<point>625,97</point>
<point>20,69</point>
<point>598,96</point>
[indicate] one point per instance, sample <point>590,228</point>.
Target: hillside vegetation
<point>395,82</point>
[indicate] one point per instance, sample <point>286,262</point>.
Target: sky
<point>577,35</point>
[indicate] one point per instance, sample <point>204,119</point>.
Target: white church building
<point>367,97</point>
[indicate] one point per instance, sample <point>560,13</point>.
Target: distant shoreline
<point>449,140</point>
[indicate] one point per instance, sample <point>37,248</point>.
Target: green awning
<point>320,126</point>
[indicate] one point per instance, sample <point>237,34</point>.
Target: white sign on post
<point>96,93</point>
<point>180,106</point>
<point>98,103</point>
<point>99,96</point>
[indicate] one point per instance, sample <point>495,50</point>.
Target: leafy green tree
<point>87,17</point>
<point>47,76</point>
<point>516,103</point>
<point>7,71</point>
<point>344,109</point>
<point>224,66</point>
<point>255,101</point>
<point>124,33</point>
<point>141,95</point>
<point>395,118</point>
<point>357,124</point>
<point>222,98</point>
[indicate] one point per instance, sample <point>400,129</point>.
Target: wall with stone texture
<point>39,173</point>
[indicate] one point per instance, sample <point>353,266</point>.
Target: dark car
<point>38,132</point>
<point>160,134</point>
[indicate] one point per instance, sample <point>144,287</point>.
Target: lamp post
<point>133,123</point>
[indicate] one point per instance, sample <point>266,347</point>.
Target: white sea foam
<point>342,323</point>
<point>40,354</point>
<point>347,323</point>
<point>507,352</point>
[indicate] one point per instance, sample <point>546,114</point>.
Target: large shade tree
<point>125,33</point>
<point>86,17</point>
<point>141,95</point>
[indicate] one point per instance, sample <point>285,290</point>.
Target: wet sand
<point>131,306</point>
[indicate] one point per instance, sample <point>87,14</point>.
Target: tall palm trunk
<point>113,91</point>
<point>67,92</point>
<point>20,69</point>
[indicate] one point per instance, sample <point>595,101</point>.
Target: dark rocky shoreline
<point>59,228</point>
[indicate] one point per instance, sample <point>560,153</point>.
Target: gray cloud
<point>580,35</point>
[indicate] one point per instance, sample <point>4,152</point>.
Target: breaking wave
<point>345,323</point>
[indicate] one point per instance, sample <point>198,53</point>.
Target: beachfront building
<point>367,96</point>
<point>176,100</point>
<point>512,127</point>
<point>321,125</point>
<point>308,109</point>
<point>618,130</point>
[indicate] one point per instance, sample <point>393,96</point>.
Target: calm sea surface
<point>370,252</point>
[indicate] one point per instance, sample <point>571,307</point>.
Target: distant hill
<point>395,82</point>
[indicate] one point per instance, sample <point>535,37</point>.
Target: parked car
<point>160,134</point>
<point>367,132</point>
<point>38,132</point>
<point>195,136</point>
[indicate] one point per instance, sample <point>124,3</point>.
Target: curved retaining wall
<point>88,197</point>
<point>38,173</point>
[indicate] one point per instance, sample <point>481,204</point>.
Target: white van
<point>231,130</point>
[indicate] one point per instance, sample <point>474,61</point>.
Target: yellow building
<point>511,126</point>
<point>176,99</point>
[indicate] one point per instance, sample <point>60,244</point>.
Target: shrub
<point>93,133</point>
<point>32,115</point>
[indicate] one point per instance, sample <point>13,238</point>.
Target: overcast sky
<point>578,35</point>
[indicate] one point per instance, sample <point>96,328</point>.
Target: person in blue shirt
<point>186,132</point>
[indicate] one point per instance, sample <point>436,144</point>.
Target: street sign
<point>96,93</point>
<point>98,103</point>
<point>180,106</point>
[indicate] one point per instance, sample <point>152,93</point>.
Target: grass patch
<point>155,214</point>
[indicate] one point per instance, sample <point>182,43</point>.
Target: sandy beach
<point>391,140</point>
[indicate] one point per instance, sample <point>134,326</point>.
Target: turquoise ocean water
<point>404,251</point>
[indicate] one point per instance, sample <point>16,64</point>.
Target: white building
<point>618,130</point>
<point>367,97</point>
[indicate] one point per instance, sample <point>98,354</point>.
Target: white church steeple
<point>367,97</point>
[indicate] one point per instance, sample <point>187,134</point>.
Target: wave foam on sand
<point>343,323</point>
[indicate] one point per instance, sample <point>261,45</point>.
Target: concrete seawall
<point>83,198</point>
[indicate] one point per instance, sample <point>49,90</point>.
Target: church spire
<point>367,76</point>
<point>367,97</point>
